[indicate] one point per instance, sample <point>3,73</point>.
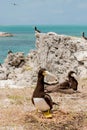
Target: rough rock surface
<point>60,54</point>
<point>57,53</point>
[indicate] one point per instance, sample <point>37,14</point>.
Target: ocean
<point>24,36</point>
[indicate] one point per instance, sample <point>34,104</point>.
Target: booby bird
<point>83,35</point>
<point>37,30</point>
<point>73,83</point>
<point>70,83</point>
<point>9,51</point>
<point>40,98</point>
<point>0,65</point>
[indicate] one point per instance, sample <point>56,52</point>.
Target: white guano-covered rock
<point>57,53</point>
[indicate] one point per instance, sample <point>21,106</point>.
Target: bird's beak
<point>47,73</point>
<point>53,78</point>
<point>74,75</point>
<point>44,73</point>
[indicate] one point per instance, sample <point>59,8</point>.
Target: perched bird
<point>40,98</point>
<point>73,83</point>
<point>37,30</point>
<point>0,65</point>
<point>70,83</point>
<point>9,51</point>
<point>83,35</point>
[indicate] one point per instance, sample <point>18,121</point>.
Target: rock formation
<point>5,34</point>
<point>57,53</point>
<point>61,53</point>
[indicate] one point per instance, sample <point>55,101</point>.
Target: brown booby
<point>40,98</point>
<point>37,30</point>
<point>83,35</point>
<point>73,83</point>
<point>70,83</point>
<point>9,51</point>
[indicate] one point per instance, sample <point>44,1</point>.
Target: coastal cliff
<point>57,53</point>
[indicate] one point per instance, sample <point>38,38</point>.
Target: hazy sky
<point>48,12</point>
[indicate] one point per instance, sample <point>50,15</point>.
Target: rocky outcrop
<point>5,34</point>
<point>15,59</point>
<point>57,53</point>
<point>60,54</point>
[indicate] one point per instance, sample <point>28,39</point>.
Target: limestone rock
<point>5,34</point>
<point>61,53</point>
<point>15,59</point>
<point>57,53</point>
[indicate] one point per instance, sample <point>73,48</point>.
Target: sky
<point>43,12</point>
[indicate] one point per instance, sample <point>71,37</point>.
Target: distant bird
<point>13,4</point>
<point>70,83</point>
<point>40,98</point>
<point>37,30</point>
<point>9,51</point>
<point>0,65</point>
<point>83,35</point>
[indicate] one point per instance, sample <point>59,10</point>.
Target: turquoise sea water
<point>24,37</point>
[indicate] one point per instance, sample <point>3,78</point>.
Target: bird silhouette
<point>37,30</point>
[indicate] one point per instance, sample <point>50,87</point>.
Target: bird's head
<point>48,75</point>
<point>72,74</point>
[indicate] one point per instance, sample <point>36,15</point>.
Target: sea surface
<point>24,36</point>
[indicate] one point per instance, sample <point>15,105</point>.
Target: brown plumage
<point>71,83</point>
<point>39,90</point>
<point>83,35</point>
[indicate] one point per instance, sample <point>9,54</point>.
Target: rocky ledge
<point>5,34</point>
<point>57,53</point>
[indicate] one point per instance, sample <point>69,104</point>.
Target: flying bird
<point>14,4</point>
